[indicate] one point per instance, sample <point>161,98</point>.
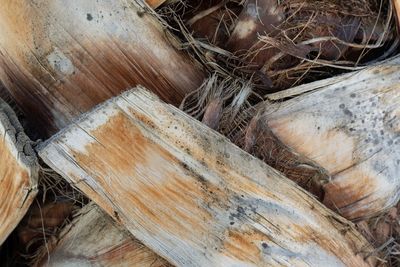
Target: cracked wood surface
<point>94,239</point>
<point>192,196</point>
<point>350,126</point>
<point>18,171</point>
<point>60,58</point>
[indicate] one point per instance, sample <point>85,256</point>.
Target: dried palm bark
<point>192,196</point>
<point>18,171</point>
<point>59,60</point>
<point>337,138</point>
<point>293,41</point>
<point>351,129</point>
<point>93,239</point>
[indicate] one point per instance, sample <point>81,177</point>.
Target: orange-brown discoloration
<point>145,158</point>
<point>155,3</point>
<point>190,195</point>
<point>39,42</point>
<point>15,181</point>
<point>356,194</point>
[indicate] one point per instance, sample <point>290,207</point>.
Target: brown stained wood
<point>155,3</point>
<point>93,239</point>
<point>60,59</point>
<point>192,196</point>
<point>350,127</point>
<point>18,172</point>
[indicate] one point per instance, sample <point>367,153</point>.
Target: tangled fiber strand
<point>227,105</point>
<point>300,41</point>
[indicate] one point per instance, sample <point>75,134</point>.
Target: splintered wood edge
<point>286,194</point>
<point>23,192</point>
<point>94,238</point>
<point>317,85</point>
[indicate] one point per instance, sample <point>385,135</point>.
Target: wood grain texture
<point>18,172</point>
<point>94,239</point>
<point>192,196</point>
<point>60,58</point>
<point>350,127</point>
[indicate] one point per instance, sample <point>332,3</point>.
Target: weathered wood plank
<point>60,58</point>
<point>18,171</point>
<point>192,196</point>
<point>93,239</point>
<point>350,127</point>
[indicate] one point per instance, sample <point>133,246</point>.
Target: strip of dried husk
<point>338,141</point>
<point>296,40</point>
<point>94,239</point>
<point>60,60</point>
<point>192,196</point>
<point>18,172</point>
<point>384,233</point>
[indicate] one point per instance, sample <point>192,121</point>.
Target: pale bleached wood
<point>60,58</point>
<point>351,128</point>
<point>94,239</point>
<point>192,196</point>
<point>18,171</point>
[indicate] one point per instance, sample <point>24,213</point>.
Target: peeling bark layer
<point>192,196</point>
<point>60,58</point>
<point>18,171</point>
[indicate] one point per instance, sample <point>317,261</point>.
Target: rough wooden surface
<point>60,58</point>
<point>192,196</point>
<point>93,239</point>
<point>18,171</point>
<point>350,127</point>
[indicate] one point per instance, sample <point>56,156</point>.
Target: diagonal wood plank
<point>192,196</point>
<point>18,171</point>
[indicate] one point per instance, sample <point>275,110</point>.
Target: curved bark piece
<point>18,172</point>
<point>351,128</point>
<point>60,58</point>
<point>93,239</point>
<point>192,196</point>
